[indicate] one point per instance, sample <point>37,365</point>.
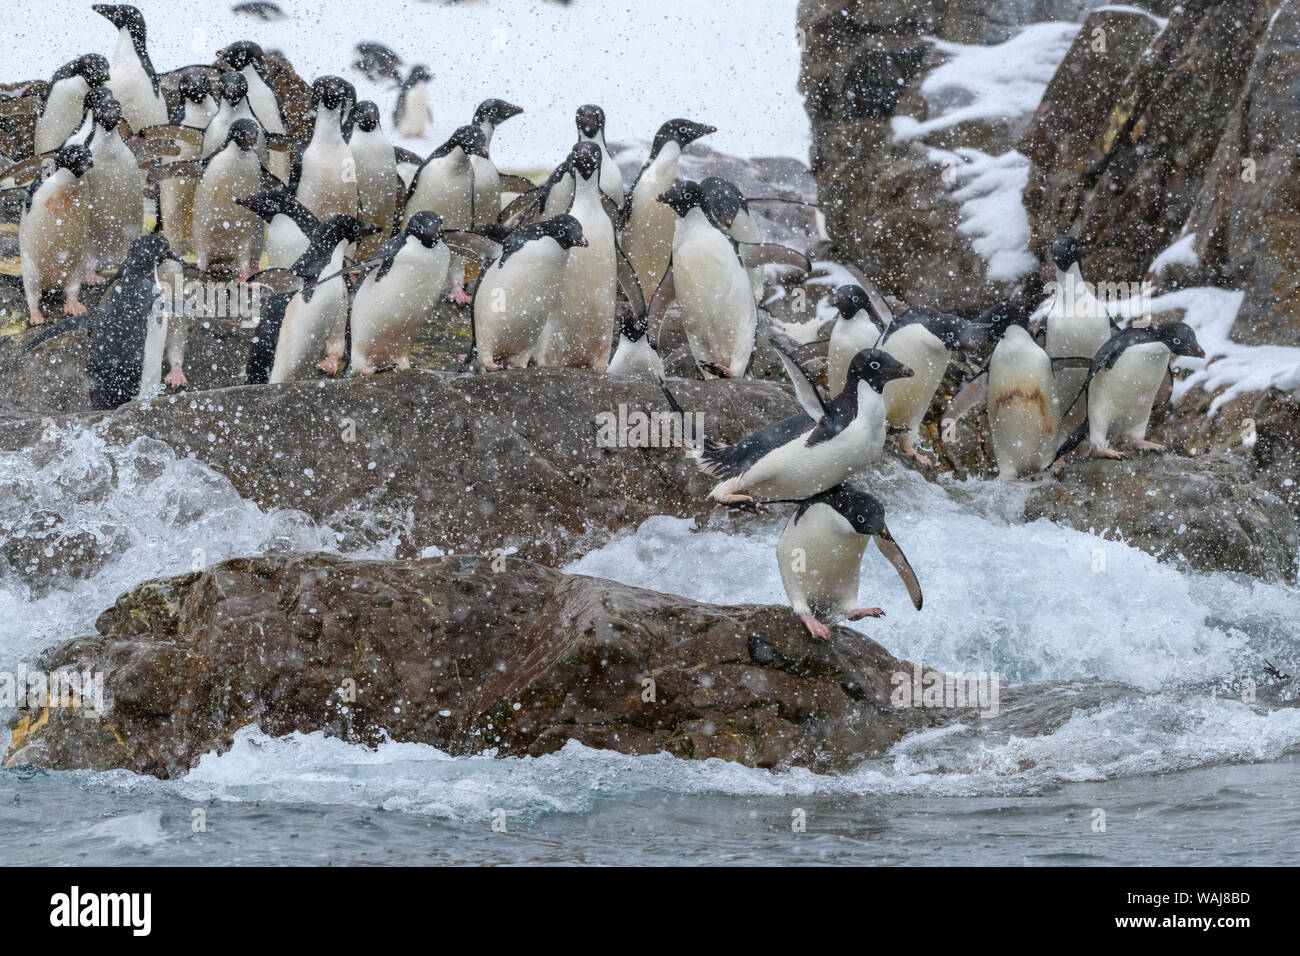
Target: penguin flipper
<point>627,280</point>
<point>810,400</point>
<point>970,395</point>
<point>756,254</point>
<point>659,303</point>
<point>405,156</point>
<point>21,105</point>
<point>890,549</point>
<point>1076,438</point>
<point>24,172</point>
<point>70,324</point>
<point>278,142</point>
<point>472,245</point>
<point>523,207</point>
<point>268,180</point>
<point>149,152</point>
<point>511,183</point>
<point>189,135</point>
<point>281,281</point>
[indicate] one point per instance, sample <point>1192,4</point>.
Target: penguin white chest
<point>133,87</point>
<point>1120,398</point>
<point>446,186</point>
<point>328,183</point>
<point>648,239</point>
<point>719,316</point>
<point>487,189</point>
<point>848,338</point>
<point>514,302</point>
<point>585,332</point>
<point>415,111</point>
<point>908,399</point>
<point>376,169</point>
<point>820,559</point>
<point>1023,416</point>
<point>387,313</point>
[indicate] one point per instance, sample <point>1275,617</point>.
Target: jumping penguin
<point>808,453</point>
<point>820,557</point>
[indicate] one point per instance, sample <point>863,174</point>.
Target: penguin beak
<point>1198,352</point>
<point>582,242</point>
<point>905,372</point>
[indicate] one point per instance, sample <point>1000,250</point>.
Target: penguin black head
<point>366,116</point>
<point>419,74</point>
<point>93,68</point>
<point>997,319</point>
<point>682,196</point>
<point>232,86</point>
<point>75,158</point>
<point>340,227</point>
<point>585,158</point>
<point>1180,338</point>
<point>104,107</point>
<point>425,226</point>
<point>564,229</point>
<point>243,133</point>
<point>495,112</point>
<point>122,15</point>
<point>469,138</point>
<point>849,300</point>
<point>723,200</point>
<point>195,87</point>
<point>683,132</point>
<point>590,120</point>
<point>149,250</point>
<point>862,511</point>
<point>332,92</point>
<point>243,53</point>
<point>876,368</point>
<point>1065,252</point>
<point>956,333</point>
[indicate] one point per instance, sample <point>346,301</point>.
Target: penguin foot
<point>91,277</point>
<point>815,627</point>
<point>1108,453</point>
<point>175,378</point>
<point>721,371</point>
<point>35,318</point>
<point>74,307</point>
<point>1144,445</point>
<point>459,295</point>
<point>243,275</point>
<point>743,502</point>
<point>368,370</point>
<point>859,613</point>
<point>329,365</point>
<point>910,451</point>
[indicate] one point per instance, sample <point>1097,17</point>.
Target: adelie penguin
<point>325,173</point>
<point>648,224</point>
<point>378,184</point>
<point>132,78</point>
<point>1121,386</point>
<point>520,290</point>
<point>313,330</point>
<point>860,319</point>
<point>412,112</point>
<point>1077,323</point>
<point>115,189</point>
<point>808,453</point>
<point>634,355</point>
<point>487,179</point>
<point>707,274</point>
<point>195,110</point>
<point>232,106</point>
<point>581,332</point>
<point>128,330</point>
<point>62,110</point>
<point>53,232</point>
<point>924,340</point>
<point>227,235</point>
<point>289,225</point>
<point>249,60</point>
<point>820,557</point>
<point>590,120</point>
<point>444,184</point>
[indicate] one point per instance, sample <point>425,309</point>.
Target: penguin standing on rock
<point>196,109</point>
<point>820,557</point>
<point>444,184</point>
<point>127,330</point>
<point>63,110</point>
<point>325,173</point>
<point>807,453</point>
<point>53,231</point>
<point>376,167</point>
<point>1121,386</point>
<point>132,78</point>
<point>634,355</point>
<point>860,320</point>
<point>520,290</point>
<point>487,179</point>
<point>115,189</point>
<point>648,224</point>
<point>1077,324</point>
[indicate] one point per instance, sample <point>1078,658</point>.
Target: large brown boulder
<point>466,655</point>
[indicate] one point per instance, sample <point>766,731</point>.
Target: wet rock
<point>1207,513</point>
<point>460,463</point>
<point>466,657</point>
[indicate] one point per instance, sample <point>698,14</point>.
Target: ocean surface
<point>1158,760</point>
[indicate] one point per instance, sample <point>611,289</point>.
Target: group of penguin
<point>363,239</point>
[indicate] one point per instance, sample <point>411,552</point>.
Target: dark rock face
<point>1202,512</point>
<point>463,463</point>
<point>466,656</point>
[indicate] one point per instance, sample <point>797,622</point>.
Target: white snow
<point>999,82</point>
<point>992,214</point>
<point>1180,253</point>
<point>643,62</point>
